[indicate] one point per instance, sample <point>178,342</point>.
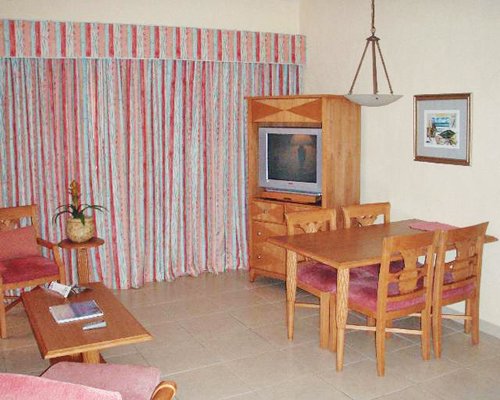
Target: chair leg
<point>333,325</point>
<point>425,324</point>
<point>370,322</point>
<point>3,322</point>
<point>436,331</point>
<point>468,311</point>
<point>388,324</point>
<point>324,319</point>
<point>380,346</point>
<point>475,320</point>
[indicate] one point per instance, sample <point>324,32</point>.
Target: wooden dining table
<point>342,249</point>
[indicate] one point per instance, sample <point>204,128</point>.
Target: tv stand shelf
<point>339,120</point>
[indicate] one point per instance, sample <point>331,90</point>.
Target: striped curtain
<point>159,142</point>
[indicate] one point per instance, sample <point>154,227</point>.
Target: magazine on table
<point>77,311</point>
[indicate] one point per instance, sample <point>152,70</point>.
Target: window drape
<point>159,142</point>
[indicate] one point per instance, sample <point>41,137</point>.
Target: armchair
<point>21,262</point>
<point>70,380</point>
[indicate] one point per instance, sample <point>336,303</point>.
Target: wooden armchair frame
<point>164,391</point>
<point>10,218</point>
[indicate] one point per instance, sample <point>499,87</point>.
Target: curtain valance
<point>49,39</point>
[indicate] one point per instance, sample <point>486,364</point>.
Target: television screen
<point>291,157</point>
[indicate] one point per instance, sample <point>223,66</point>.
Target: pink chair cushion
<point>28,268</point>
<point>18,243</point>
<point>461,291</point>
<point>364,292</point>
<point>133,382</point>
<point>16,387</point>
<point>317,275</point>
<point>374,269</point>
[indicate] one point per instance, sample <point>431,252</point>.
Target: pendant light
<point>375,99</point>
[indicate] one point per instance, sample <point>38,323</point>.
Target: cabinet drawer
<point>267,211</point>
<point>299,207</point>
<point>261,231</point>
<point>269,255</point>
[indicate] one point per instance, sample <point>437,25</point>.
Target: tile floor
<point>222,337</point>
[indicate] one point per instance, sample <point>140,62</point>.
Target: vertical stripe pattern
<point>160,143</point>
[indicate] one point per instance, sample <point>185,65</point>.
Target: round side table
<point>82,255</point>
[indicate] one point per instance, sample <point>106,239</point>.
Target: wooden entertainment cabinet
<point>339,120</point>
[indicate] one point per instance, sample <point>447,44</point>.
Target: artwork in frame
<point>442,128</point>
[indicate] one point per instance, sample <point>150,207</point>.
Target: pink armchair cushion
<point>18,243</point>
<point>16,387</point>
<point>317,275</point>
<point>28,268</point>
<point>133,382</point>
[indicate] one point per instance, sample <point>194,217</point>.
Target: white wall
<point>252,15</point>
<point>446,46</point>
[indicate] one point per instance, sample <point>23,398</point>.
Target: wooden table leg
<point>82,266</point>
<point>341,311</point>
<point>91,357</point>
<point>291,289</point>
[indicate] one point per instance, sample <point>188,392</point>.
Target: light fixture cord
<point>373,18</point>
<point>375,47</point>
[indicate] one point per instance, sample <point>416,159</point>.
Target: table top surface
<point>57,340</point>
<point>348,248</point>
<point>68,244</point>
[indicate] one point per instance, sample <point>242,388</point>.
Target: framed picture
<point>442,128</point>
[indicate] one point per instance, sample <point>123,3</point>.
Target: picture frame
<point>442,128</point>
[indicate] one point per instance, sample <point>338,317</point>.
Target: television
<point>290,159</point>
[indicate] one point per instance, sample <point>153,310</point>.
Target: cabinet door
<point>265,255</point>
<point>268,211</point>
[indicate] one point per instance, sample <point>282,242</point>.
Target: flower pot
<point>78,232</point>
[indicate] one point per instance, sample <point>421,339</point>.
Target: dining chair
<point>458,278</point>
<point>314,277</point>
<point>366,214</point>
<point>362,215</point>
<point>398,294</point>
<point>22,264</point>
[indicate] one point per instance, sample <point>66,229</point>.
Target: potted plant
<point>79,228</point>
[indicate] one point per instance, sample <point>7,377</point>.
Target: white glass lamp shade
<point>373,100</point>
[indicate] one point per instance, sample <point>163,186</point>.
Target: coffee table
<point>68,341</point>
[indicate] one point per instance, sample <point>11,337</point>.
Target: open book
<point>75,311</point>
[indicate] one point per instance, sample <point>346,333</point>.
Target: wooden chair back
<point>464,267</point>
<point>414,280</point>
<point>10,217</point>
<point>366,214</point>
<point>310,221</point>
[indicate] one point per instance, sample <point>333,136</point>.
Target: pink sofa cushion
<point>18,243</point>
<point>16,387</point>
<point>133,382</point>
<point>28,268</point>
<point>317,275</point>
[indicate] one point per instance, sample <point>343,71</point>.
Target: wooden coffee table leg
<point>91,357</point>
<point>342,310</point>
